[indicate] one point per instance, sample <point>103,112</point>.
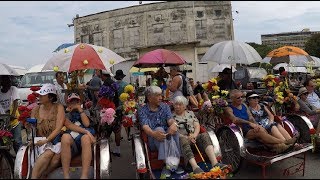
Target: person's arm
<point>14,109</point>
<point>175,83</point>
<point>305,108</point>
<point>270,115</point>
<point>73,127</point>
<point>251,118</point>
<point>233,118</point>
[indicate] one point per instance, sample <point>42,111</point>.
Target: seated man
<point>79,136</point>
<point>240,114</point>
<point>156,121</point>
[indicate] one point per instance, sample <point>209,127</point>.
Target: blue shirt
<point>155,119</point>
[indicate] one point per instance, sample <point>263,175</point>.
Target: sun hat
<point>302,91</point>
<point>46,89</point>
<point>251,94</point>
<point>107,72</point>
<point>119,74</point>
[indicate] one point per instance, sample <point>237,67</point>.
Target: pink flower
<point>107,115</point>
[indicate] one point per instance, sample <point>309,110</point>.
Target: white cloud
<point>30,31</point>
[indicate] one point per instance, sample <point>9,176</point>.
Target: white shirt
<point>6,99</point>
<point>60,94</point>
<point>314,99</point>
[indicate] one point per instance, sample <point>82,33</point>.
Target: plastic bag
<point>172,154</point>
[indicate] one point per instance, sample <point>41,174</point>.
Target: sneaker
<point>165,172</point>
<point>179,170</point>
<point>222,166</point>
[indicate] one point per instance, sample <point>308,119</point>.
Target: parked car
<point>250,78</point>
<point>34,77</point>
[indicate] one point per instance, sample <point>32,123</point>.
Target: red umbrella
<point>159,57</point>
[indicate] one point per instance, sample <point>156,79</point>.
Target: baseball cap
<point>73,96</point>
<point>46,89</point>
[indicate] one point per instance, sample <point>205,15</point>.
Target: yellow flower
<point>213,80</point>
<point>276,89</point>
<point>281,84</point>
<point>224,92</point>
<point>129,89</point>
<point>56,68</point>
<point>123,97</point>
<point>82,46</point>
<point>215,88</point>
<point>270,83</point>
<point>132,104</point>
<point>66,50</point>
<point>100,50</point>
<point>111,61</point>
<point>205,86</point>
<point>85,62</point>
<point>215,97</point>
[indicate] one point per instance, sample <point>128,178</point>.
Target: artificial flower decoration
<point>124,97</point>
<point>56,68</point>
<point>214,173</point>
<point>284,98</point>
<point>82,46</point>
<point>129,89</point>
<point>66,50</point>
<point>5,137</point>
<point>107,116</point>
<point>111,61</point>
<point>100,50</point>
<point>85,62</point>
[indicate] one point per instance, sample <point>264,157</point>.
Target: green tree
<point>263,50</point>
<point>313,45</point>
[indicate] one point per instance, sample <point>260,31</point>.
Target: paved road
<point>122,167</point>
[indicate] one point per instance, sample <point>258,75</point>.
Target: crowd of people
<point>67,125</point>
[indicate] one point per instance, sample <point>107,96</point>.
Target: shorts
<point>76,146</point>
<point>268,127</point>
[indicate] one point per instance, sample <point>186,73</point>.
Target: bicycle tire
<point>6,158</point>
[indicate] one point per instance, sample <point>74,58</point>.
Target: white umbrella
<point>220,68</point>
<point>7,70</point>
<point>232,52</point>
<point>316,62</point>
<point>290,68</point>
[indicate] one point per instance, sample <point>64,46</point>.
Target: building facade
<point>297,39</point>
<point>189,28</point>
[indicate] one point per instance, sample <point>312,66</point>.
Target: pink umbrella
<point>159,57</point>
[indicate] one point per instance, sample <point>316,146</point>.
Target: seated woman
<point>265,118</point>
<point>79,136</point>
<point>189,128</point>
<point>305,107</point>
<point>240,114</point>
<point>50,119</point>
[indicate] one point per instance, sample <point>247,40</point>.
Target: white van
<point>34,77</point>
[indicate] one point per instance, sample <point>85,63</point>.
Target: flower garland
<point>214,173</point>
<point>284,99</point>
<point>129,107</point>
<point>25,111</point>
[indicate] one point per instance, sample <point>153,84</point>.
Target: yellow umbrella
<point>135,69</point>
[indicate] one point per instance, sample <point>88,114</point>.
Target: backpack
<point>186,86</point>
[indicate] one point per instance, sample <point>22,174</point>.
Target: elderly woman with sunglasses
<point>265,118</point>
<point>305,107</point>
<point>189,128</point>
<point>240,114</point>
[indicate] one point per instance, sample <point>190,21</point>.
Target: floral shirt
<point>155,119</point>
<point>189,118</point>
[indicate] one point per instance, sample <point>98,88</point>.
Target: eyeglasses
<point>240,97</point>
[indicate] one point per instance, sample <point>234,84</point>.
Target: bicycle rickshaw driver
<point>156,121</point>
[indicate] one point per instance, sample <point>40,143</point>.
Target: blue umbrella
<point>62,46</point>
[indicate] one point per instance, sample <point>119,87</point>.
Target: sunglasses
<point>72,94</point>
<point>306,93</point>
<point>240,97</point>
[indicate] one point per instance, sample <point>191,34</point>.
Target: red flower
<point>34,88</point>
<point>312,131</point>
<point>32,98</point>
<point>284,73</point>
<point>4,133</point>
<point>106,103</point>
<point>22,108</point>
<point>127,121</point>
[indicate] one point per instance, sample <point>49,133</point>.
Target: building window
<point>218,12</point>
<point>199,14</point>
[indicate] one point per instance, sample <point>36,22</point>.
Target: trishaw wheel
<point>6,165</point>
<point>230,148</point>
<point>302,127</point>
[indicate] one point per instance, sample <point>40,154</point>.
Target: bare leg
<point>66,142</point>
<point>86,156</point>
<point>284,132</point>
<point>210,153</point>
<point>276,133</point>
<point>55,163</point>
<point>41,164</point>
<point>263,137</point>
<point>193,163</point>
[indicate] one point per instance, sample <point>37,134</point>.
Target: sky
<point>30,31</point>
